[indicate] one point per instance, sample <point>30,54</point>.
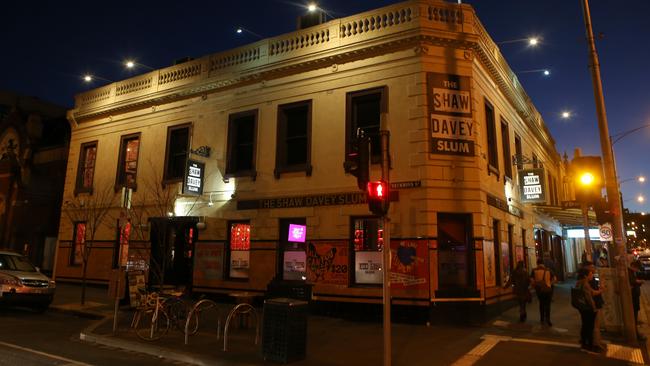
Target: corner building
<point>269,125</point>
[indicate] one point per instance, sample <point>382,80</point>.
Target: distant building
<point>264,130</point>
<point>34,137</point>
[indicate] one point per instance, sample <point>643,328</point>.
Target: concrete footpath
<point>334,341</point>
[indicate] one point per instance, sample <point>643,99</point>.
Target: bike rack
<point>206,305</point>
<point>241,309</point>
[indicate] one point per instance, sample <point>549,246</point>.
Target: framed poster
<point>409,265</point>
<point>239,263</point>
<point>294,265</point>
<point>488,264</point>
<point>327,262</point>
<point>367,267</point>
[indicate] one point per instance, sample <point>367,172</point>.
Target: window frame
<point>75,225</point>
<point>375,157</point>
<point>281,151</point>
<point>120,176</point>
<point>170,130</point>
<point>491,135</point>
<point>79,188</point>
<point>505,145</point>
<point>232,171</point>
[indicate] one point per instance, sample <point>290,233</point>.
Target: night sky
<point>48,45</point>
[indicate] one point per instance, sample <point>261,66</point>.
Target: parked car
<point>22,284</point>
<point>644,271</point>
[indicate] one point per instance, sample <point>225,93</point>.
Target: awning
<point>566,216</point>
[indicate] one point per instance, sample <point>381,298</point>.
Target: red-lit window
<point>239,244</point>
<point>86,167</point>
<point>79,242</point>
<point>128,163</point>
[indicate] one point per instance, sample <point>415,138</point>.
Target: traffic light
<point>587,173</point>
<point>378,197</point>
<point>357,160</point>
<point>603,213</point>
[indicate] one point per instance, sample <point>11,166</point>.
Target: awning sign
<point>194,178</point>
<point>450,109</point>
<point>533,189</point>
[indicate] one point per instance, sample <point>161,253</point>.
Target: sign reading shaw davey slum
<point>450,109</point>
<point>531,182</point>
<point>193,184</point>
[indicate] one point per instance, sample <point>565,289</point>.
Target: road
<point>30,339</point>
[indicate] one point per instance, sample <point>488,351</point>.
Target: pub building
<point>270,124</point>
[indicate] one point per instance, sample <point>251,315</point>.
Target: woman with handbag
<point>587,314</point>
<point>520,282</point>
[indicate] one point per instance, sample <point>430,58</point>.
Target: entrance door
<point>172,250</point>
<point>455,254</point>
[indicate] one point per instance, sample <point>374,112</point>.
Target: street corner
<point>90,310</point>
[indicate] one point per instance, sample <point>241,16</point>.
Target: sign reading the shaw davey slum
<point>327,199</point>
<point>194,178</point>
<point>532,186</point>
<point>450,109</point>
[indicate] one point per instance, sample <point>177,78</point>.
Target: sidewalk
<point>333,341</point>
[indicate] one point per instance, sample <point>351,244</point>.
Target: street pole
<point>611,185</point>
<point>385,168</point>
<point>585,224</point>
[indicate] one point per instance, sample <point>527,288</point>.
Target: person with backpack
<point>520,281</point>
<point>587,314</point>
<point>597,294</point>
<point>542,280</point>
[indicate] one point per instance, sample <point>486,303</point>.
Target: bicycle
<point>178,310</point>
<point>150,320</point>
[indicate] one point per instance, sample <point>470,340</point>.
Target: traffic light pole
<point>385,175</point>
<point>611,185</point>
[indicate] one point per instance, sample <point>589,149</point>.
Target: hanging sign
<point>450,110</point>
<point>193,184</point>
<point>533,188</point>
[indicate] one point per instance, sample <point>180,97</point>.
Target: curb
<point>89,314</point>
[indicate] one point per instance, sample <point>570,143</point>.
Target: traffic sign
<point>606,232</point>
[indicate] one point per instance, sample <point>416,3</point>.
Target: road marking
<point>477,352</point>
<point>49,355</point>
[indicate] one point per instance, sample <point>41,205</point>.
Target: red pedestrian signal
<point>378,197</point>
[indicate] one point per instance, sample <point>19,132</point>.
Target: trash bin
<point>294,289</point>
<point>284,332</point>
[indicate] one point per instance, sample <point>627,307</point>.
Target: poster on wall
<point>450,110</point>
<point>294,265</point>
<point>519,253</point>
<point>488,264</point>
<point>409,265</point>
<point>505,261</point>
<point>137,286</point>
<point>367,267</point>
<point>239,263</point>
<point>208,261</point>
<point>327,262</point>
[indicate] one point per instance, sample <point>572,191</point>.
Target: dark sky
<point>48,45</point>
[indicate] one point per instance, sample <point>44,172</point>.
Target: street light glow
<point>587,179</point>
<point>641,179</point>
<point>547,72</point>
<point>533,41</point>
<point>129,64</point>
<point>312,7</point>
<point>640,199</point>
<point>566,114</point>
<point>239,30</point>
<point>88,78</point>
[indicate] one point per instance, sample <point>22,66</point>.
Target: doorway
<point>172,250</point>
<point>455,255</point>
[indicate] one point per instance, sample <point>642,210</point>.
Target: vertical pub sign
<point>193,184</point>
<point>450,110</point>
<point>532,185</point>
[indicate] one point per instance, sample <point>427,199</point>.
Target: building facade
<point>235,161</point>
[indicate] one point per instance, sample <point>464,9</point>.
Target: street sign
<point>606,232</point>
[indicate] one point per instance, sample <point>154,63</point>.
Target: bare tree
<point>92,211</point>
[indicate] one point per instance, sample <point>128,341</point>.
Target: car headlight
<point>52,283</point>
<point>10,281</point>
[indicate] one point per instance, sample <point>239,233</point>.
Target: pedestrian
<point>635,286</point>
<point>587,316</point>
<point>521,282</point>
<point>597,286</point>
<point>542,279</point>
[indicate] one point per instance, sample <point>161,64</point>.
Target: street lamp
<point>532,41</point>
<point>640,179</point>
<point>131,64</point>
<point>566,114</point>
<point>618,136</point>
<point>88,78</point>
<point>545,72</point>
<point>312,7</point>
<point>241,30</point>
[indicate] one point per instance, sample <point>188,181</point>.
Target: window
<point>242,131</point>
<point>78,243</point>
<point>127,166</point>
<point>505,141</point>
<point>178,143</point>
<point>293,148</point>
<point>519,152</point>
<point>493,158</point>
<point>512,259</point>
<point>455,254</point>
<point>86,168</point>
<point>367,245</point>
<point>239,246</point>
<point>363,111</point>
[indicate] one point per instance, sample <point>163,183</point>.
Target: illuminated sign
<point>297,233</point>
<point>450,112</point>
<point>193,184</point>
<point>532,185</point>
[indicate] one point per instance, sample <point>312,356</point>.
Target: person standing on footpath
<point>597,286</point>
<point>521,282</point>
<point>635,286</point>
<point>588,316</point>
<point>542,279</point>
